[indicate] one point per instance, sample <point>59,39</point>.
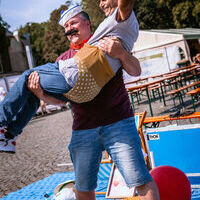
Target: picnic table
<point>145,86</point>
<point>162,78</point>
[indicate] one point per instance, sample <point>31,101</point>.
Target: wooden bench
<point>178,91</point>
<point>155,89</point>
<point>181,80</point>
<point>194,93</point>
<point>136,94</point>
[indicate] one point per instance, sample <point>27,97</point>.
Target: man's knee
<point>148,191</point>
<point>85,195</point>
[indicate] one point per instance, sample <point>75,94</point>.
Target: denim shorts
<point>121,141</point>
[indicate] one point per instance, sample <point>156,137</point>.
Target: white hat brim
<point>67,184</point>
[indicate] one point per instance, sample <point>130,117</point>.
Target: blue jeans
<point>20,105</point>
<point>121,141</point>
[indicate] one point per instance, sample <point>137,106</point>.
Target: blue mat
<point>45,187</point>
<point>38,190</point>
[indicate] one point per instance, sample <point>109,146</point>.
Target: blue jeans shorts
<point>121,141</point>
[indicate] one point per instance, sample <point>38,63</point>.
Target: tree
<point>153,14</point>
<point>182,15</point>
<point>196,13</point>
<point>185,13</point>
<point>150,13</point>
<point>36,33</point>
<point>170,3</point>
<point>55,42</point>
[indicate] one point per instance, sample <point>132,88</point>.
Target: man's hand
<point>111,46</point>
<point>33,85</point>
<point>114,48</point>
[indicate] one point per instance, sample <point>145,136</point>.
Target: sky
<point>18,12</point>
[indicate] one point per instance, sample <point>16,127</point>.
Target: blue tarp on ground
<point>38,190</point>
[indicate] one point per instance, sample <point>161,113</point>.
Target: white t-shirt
<point>127,31</point>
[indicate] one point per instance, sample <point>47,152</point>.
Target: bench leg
<point>193,102</point>
<point>181,99</point>
<point>159,95</point>
<point>132,102</point>
<point>138,97</point>
<point>174,100</point>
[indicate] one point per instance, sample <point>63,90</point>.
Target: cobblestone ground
<point>43,145</point>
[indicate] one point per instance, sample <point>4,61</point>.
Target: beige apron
<point>94,72</point>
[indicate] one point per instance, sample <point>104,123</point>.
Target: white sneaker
<point>7,145</point>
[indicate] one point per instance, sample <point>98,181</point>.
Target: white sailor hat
<point>64,191</point>
<point>66,15</point>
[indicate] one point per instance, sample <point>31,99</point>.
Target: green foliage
<point>36,33</point>
<point>163,14</point>
<point>170,3</point>
<point>182,15</point>
<point>55,42</point>
<point>4,41</point>
<point>93,10</point>
<point>196,13</point>
<point>152,15</point>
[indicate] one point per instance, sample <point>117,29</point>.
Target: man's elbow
<point>136,70</point>
<point>138,73</point>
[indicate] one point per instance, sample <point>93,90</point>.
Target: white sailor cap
<point>66,15</point>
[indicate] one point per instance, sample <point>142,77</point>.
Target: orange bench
<point>168,118</point>
<point>193,94</point>
<point>178,91</point>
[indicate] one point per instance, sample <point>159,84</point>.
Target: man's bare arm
<point>114,48</point>
<point>34,86</point>
<point>125,9</point>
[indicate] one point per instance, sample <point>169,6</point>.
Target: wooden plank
<point>193,92</point>
<point>183,88</point>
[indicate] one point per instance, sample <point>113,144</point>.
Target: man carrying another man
<point>106,122</point>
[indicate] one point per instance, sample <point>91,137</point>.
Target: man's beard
<point>71,32</point>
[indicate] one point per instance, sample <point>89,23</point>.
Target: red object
<point>14,143</point>
<point>172,183</point>
<point>2,131</point>
<point>74,46</point>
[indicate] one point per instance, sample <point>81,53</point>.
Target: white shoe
<point>7,145</point>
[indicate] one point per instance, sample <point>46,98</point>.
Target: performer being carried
<point>21,104</point>
<point>90,69</point>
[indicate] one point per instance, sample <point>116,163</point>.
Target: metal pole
<point>149,101</point>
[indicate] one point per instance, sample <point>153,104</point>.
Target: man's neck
<point>79,46</point>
